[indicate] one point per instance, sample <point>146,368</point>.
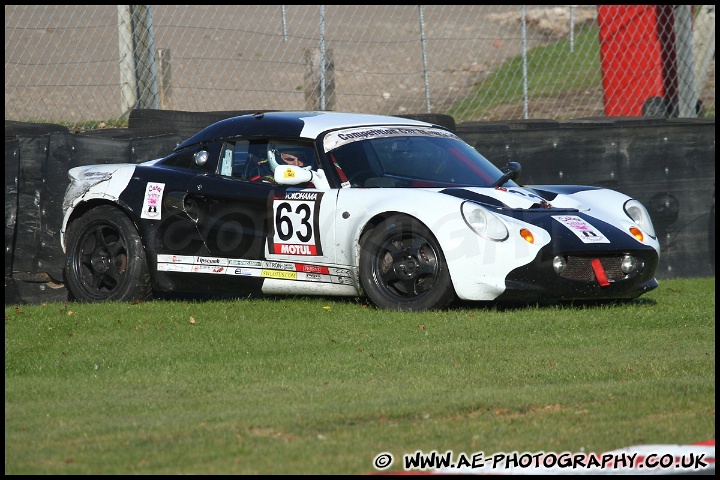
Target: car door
<point>252,227</point>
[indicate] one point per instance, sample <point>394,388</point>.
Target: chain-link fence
<point>90,64</point>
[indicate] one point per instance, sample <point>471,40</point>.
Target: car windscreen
<point>407,157</point>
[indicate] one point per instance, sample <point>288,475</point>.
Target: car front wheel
<point>402,267</point>
<point>106,258</point>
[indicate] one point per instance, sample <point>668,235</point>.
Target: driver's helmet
<point>276,151</point>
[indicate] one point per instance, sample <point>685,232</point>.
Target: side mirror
<point>292,175</point>
<point>201,157</point>
<point>514,169</point>
<point>511,171</point>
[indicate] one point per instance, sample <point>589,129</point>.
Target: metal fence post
<point>128,84</point>
<point>424,60</point>
<point>523,19</point>
<point>165,78</point>
<point>146,71</point>
<point>319,79</point>
<point>686,64</point>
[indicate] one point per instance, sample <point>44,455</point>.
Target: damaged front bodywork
<point>94,182</point>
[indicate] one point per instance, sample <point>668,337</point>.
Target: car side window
<point>240,159</point>
<point>255,160</point>
<point>358,162</point>
<point>225,165</point>
<point>235,160</point>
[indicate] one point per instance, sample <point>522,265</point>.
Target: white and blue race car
<point>399,211</point>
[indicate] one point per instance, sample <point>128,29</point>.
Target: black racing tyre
<point>403,268</point>
<point>13,128</point>
<point>185,124</point>
<point>106,258</point>
<point>711,235</point>
<point>655,107</point>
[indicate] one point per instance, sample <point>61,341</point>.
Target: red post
<point>638,57</point>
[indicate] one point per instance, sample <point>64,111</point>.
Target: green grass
<point>581,69</point>
<point>580,66</point>
<point>317,385</point>
<point>95,124</point>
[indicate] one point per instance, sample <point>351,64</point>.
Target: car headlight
<point>637,212</point>
<point>483,222</point>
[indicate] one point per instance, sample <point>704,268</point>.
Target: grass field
<point>316,385</point>
<point>581,73</point>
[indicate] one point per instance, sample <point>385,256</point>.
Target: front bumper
<point>538,281</point>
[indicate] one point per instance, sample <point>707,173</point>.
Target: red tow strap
<point>600,272</point>
<point>341,174</point>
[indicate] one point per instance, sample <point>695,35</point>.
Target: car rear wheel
<point>403,268</point>
<point>106,258</point>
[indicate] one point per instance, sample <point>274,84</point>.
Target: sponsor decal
<point>235,262</point>
<point>342,272</point>
<point>245,272</point>
<point>301,196</point>
<point>301,267</point>
<point>91,175</point>
<point>207,269</point>
<point>278,265</point>
<point>582,229</point>
<point>152,202</point>
<point>287,249</point>
<point>174,267</point>
<point>210,261</point>
<point>336,139</point>
<point>175,258</point>
<point>254,268</point>
<point>312,277</point>
<point>295,230</point>
<point>282,274</point>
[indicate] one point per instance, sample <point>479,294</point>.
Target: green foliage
<point>94,124</point>
<point>76,127</point>
<point>317,385</point>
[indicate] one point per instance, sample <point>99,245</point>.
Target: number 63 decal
<point>295,229</point>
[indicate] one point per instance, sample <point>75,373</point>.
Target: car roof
<point>300,124</point>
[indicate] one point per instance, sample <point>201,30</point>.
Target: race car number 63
<point>284,225</point>
<point>296,224</point>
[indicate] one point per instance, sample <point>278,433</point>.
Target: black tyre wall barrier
<point>36,166</point>
<point>447,121</point>
<point>185,124</point>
